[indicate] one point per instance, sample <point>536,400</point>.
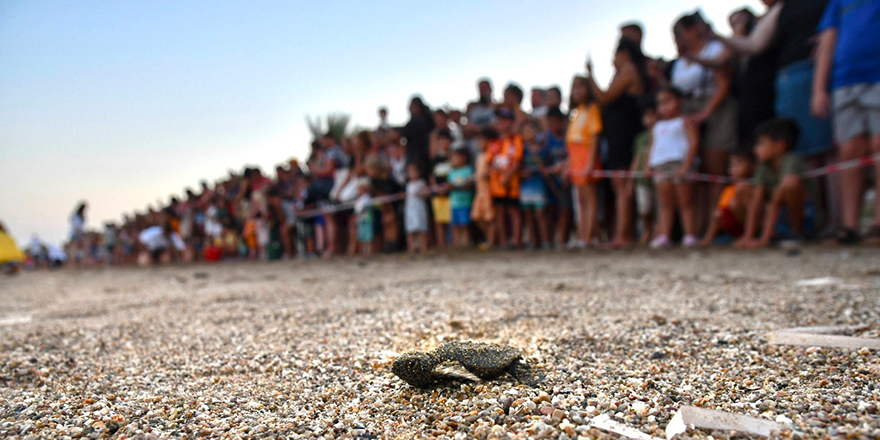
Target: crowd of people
<point>613,166</point>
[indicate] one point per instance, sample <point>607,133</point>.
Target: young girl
<point>673,149</point>
<point>533,191</point>
<point>364,217</point>
<point>481,211</point>
<point>416,211</point>
<point>439,176</point>
<point>504,156</point>
<point>582,143</point>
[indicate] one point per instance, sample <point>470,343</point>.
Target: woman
<point>708,101</point>
<point>77,231</point>
<point>789,28</point>
<point>622,121</point>
<point>755,76</point>
<point>417,133</point>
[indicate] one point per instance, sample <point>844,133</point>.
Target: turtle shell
<point>487,361</point>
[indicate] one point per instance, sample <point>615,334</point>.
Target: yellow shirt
<point>585,123</point>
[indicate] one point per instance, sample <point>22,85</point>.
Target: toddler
<point>416,210</point>
<point>644,190</point>
<point>730,214</point>
<point>481,210</point>
<point>461,194</point>
<point>673,149</point>
<point>364,217</point>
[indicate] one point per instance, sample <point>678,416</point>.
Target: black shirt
<point>796,30</point>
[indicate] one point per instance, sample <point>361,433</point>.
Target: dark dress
<point>622,121</point>
<point>755,88</point>
<point>417,133</point>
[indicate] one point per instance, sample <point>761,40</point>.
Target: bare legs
<point>623,213</point>
<point>587,201</point>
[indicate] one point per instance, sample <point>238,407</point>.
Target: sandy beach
<point>303,349</point>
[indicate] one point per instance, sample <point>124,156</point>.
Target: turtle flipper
<point>454,371</point>
<point>523,373</point>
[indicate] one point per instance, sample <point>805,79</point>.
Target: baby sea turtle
<point>462,360</point>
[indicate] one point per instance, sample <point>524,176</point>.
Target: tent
<point>9,251</point>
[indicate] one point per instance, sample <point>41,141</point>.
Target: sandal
<point>847,236</point>
<point>873,236</point>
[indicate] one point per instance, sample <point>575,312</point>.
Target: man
<point>160,241</point>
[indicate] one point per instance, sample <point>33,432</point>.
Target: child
<point>554,143</point>
<point>582,143</point>
<point>504,156</point>
<point>778,182</point>
<point>673,149</point>
<point>533,191</point>
<point>364,217</point>
<point>439,175</point>
<point>416,211</point>
<point>733,206</point>
<point>481,211</point>
<point>461,194</point>
<point>644,190</point>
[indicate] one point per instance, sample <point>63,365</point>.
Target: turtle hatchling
<point>462,360</point>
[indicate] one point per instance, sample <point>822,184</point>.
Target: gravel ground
<point>303,349</point>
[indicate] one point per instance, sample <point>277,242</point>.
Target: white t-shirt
<point>55,253</point>
<point>670,142</point>
<point>153,238</point>
<point>693,78</point>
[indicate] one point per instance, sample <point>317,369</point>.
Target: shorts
<point>667,172</point>
<point>461,216</point>
<point>856,111</point>
<point>578,159</point>
<point>533,198</point>
<point>156,254</point>
<point>644,200</point>
<point>505,201</point>
<point>442,209</point>
<point>562,198</point>
<point>365,232</point>
<point>730,224</point>
<point>794,88</point>
<point>719,132</point>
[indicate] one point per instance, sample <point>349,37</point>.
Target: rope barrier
<point>624,174</point>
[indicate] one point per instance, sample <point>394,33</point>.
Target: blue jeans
<point>794,86</point>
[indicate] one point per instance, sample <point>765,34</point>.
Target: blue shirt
<point>532,163</point>
<point>857,55</point>
<point>461,196</point>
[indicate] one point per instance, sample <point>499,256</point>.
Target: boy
<point>642,186</point>
<point>533,189</point>
<point>560,189</point>
<point>461,194</point>
<point>503,157</point>
<point>778,182</point>
<point>730,215</point>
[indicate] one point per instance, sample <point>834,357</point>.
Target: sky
<point>123,103</point>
